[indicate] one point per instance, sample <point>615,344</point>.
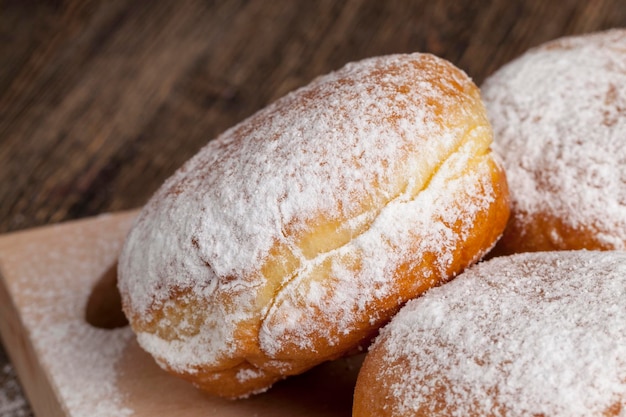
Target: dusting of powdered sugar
<point>559,119</point>
<point>319,152</point>
<point>527,335</point>
<point>51,293</point>
<point>349,295</point>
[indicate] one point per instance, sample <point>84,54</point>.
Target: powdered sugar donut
<point>291,238</point>
<point>559,119</point>
<point>533,334</point>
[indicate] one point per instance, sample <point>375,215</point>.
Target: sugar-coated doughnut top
<point>532,334</point>
<point>559,119</point>
<point>279,168</point>
<point>327,175</point>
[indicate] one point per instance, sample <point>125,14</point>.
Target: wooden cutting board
<point>51,277</point>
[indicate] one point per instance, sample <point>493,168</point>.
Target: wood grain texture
<point>100,101</point>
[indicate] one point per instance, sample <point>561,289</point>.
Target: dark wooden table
<point>100,101</point>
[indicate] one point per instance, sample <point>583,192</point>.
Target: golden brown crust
<point>371,399</point>
<point>412,277</point>
<point>295,235</point>
<point>558,118</point>
<point>533,334</point>
<point>542,232</point>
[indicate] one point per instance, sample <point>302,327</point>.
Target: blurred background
<point>100,101</point>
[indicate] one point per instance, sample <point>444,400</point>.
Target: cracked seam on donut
<point>306,263</point>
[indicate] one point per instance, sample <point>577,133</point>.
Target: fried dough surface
<point>292,237</point>
<point>532,334</point>
<point>559,119</point>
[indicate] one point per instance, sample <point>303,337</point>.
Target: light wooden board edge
<point>149,391</point>
<point>35,380</point>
